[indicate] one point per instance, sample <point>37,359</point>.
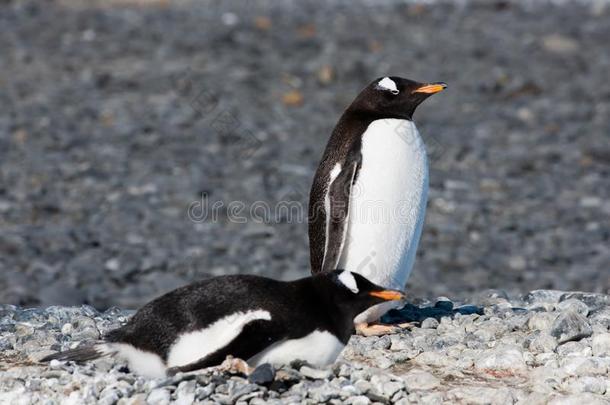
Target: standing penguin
<point>368,198</point>
<point>253,318</point>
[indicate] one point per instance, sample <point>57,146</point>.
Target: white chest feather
<point>318,348</point>
<point>387,204</point>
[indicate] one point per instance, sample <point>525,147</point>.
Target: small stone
<point>363,386</point>
<point>480,395</point>
<point>383,342</point>
<point>55,364</point>
<point>66,329</point>
<point>569,326</point>
<point>429,323</point>
<point>158,396</point>
<point>382,361</point>
<point>433,359</point>
<point>581,365</point>
<point>293,98</point>
<point>585,398</point>
<point>518,262</point>
<point>501,358</point>
<point>420,380</point>
<point>595,385</point>
<point>601,344</point>
<point>262,375</point>
<point>574,349</point>
<point>559,44</point>
<point>359,400</point>
<point>541,321</point>
<point>185,393</point>
<point>315,373</point>
<point>543,343</point>
<point>108,397</point>
<point>575,305</point>
<point>538,297</point>
<point>113,264</point>
<point>84,328</point>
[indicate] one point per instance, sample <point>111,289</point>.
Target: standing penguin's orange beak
<point>431,88</point>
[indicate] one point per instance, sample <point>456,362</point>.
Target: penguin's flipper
<point>339,195</point>
<point>253,339</point>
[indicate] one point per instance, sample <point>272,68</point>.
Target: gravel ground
<point>548,347</point>
<point>117,115</point>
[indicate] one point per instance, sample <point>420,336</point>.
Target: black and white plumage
<point>253,318</point>
<point>369,194</point>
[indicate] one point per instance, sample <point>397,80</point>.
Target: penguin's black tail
<point>81,353</point>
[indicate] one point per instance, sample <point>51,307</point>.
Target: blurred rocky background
<point>118,115</point>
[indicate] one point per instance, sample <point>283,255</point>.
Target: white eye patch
<point>388,84</point>
<point>348,280</point>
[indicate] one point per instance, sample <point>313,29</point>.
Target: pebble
<point>543,343</point>
<point>569,326</point>
<point>601,344</point>
<point>263,374</point>
<point>429,323</point>
<point>573,304</point>
<point>420,380</point>
<point>315,373</point>
<point>514,349</point>
<point>158,396</point>
<point>501,358</point>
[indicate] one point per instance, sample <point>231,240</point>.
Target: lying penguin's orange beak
<point>388,295</point>
<point>431,88</point>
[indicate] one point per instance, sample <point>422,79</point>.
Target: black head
<point>352,293</point>
<point>393,97</point>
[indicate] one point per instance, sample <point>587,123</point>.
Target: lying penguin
<point>248,317</point>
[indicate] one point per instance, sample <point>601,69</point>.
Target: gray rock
<point>569,326</point>
<point>315,373</point>
<point>420,380</point>
<point>108,397</point>
<point>595,385</point>
<point>263,374</point>
<point>542,321</point>
<point>543,343</point>
<point>359,400</point>
<point>158,396</point>
<point>586,398</point>
<point>186,392</point>
<point>538,297</point>
<point>575,305</point>
<point>501,358</point>
<point>385,386</point>
<point>574,349</point>
<point>429,323</point>
<point>593,301</point>
<point>601,344</point>
<point>584,365</point>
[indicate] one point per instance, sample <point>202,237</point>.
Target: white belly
<point>318,348</point>
<point>387,204</point>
